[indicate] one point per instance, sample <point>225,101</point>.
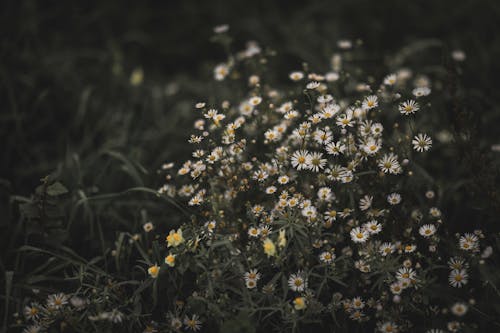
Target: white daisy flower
<point>330,215</point>
<point>335,148</point>
<point>421,91</point>
<point>32,311</point>
<point>459,309</point>
<point>309,212</point>
<point>388,327</point>
<point>271,190</point>
<point>325,194</point>
<point>359,235</point>
<point>221,71</point>
<point>251,278</point>
<point>253,232</point>
<point>390,80</point>
<point>57,301</point>
<point>468,242</point>
<point>458,55</point>
<point>221,28</point>
<point>254,101</point>
<point>344,44</point>
<point>272,135</point>
<point>422,142</point>
<point>332,76</point>
<point>312,85</point>
<point>365,202</point>
<point>389,164</point>
<point>370,102</point>
<point>330,110</point>
<point>345,119</point>
<point>246,109</point>
<point>409,107</point>
<point>327,257</point>
<point>322,137</point>
<point>250,284</point>
<point>371,147</point>
<point>296,76</point>
<point>406,274</point>
<point>210,226</point>
<point>300,159</point>
<point>373,227</point>
<point>260,175</point>
<point>292,114</point>
<point>427,230</point>
<point>458,278</point>
<point>284,179</point>
<point>297,281</point>
<point>357,303</point>
<point>193,323</point>
<point>394,198</point>
<point>265,231</point>
<point>457,263</point>
<point>386,249</point>
<point>316,162</point>
<point>396,288</point>
<point>377,129</point>
<point>325,98</point>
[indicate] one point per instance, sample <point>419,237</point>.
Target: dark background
<point>52,51</point>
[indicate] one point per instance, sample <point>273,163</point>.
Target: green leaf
<point>240,324</point>
<point>56,189</point>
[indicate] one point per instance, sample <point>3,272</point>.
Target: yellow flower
<point>175,238</point>
<point>154,271</point>
<point>299,303</point>
<point>269,247</point>
<point>170,260</point>
<point>137,77</point>
<point>282,238</point>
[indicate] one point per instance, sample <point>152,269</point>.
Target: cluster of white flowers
<point>307,190</point>
<point>280,177</point>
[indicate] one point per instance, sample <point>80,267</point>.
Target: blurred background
<point>98,94</point>
<point>65,65</point>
